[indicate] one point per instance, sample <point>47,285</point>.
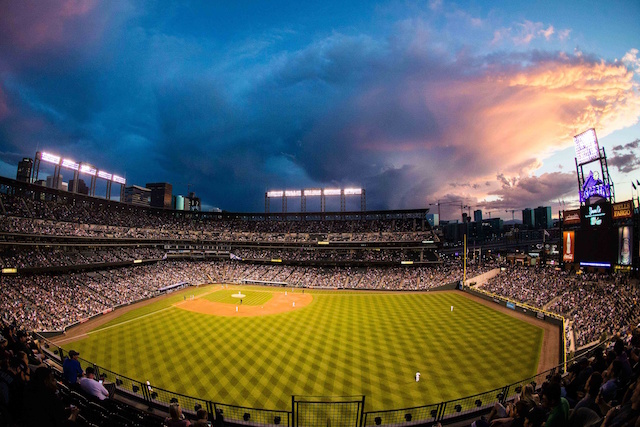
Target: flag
<point>546,233</point>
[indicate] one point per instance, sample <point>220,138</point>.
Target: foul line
<point>130,320</point>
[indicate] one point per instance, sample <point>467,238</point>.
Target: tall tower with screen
<point>594,241</point>
<point>594,182</point>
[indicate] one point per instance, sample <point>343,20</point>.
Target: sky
<point>470,103</point>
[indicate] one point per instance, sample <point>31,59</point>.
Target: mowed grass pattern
<point>341,344</point>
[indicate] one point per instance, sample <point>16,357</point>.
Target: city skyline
<point>416,102</point>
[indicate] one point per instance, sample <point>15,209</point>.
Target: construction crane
<point>452,203</point>
<point>513,213</point>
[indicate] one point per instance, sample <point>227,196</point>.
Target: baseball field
<point>279,342</point>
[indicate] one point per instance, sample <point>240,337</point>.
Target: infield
<point>224,302</point>
<point>341,343</point>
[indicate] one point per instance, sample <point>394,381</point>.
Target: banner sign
<point>622,210</point>
<point>571,217</point>
<point>625,237</point>
<point>569,239</point>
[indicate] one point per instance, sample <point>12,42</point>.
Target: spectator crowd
<point>595,304</point>
<point>600,389</point>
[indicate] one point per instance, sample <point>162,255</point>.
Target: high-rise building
<point>82,186</point>
<point>25,166</point>
<point>527,218</point>
<point>195,204</point>
<point>543,218</point>
<point>477,215</point>
<point>433,219</point>
<point>178,203</point>
<point>137,195</point>
<point>59,185</point>
<point>161,194</point>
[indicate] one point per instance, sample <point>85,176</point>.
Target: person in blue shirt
<point>71,368</point>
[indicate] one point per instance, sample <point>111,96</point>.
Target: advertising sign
<point>621,210</point>
<point>571,217</point>
<point>594,187</point>
<point>568,252</point>
<point>596,215</point>
<point>625,237</point>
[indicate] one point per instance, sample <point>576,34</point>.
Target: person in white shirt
<point>417,376</point>
<point>89,384</point>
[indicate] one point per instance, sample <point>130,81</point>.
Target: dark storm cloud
<point>396,114</point>
<point>625,162</point>
<point>532,191</point>
<point>625,157</point>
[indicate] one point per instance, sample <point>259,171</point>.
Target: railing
<point>333,408</point>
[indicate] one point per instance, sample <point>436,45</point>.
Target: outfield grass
<point>343,343</point>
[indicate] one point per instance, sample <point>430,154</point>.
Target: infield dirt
<point>279,303</point>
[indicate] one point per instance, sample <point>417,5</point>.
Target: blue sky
<point>416,102</point>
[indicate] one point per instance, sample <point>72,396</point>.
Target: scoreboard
<point>596,241</point>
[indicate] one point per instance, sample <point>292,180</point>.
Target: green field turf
<point>252,298</point>
<point>343,343</point>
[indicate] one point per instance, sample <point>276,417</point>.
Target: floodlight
<point>104,175</point>
<point>70,164</point>
<point>88,169</point>
<point>352,191</point>
<point>50,158</point>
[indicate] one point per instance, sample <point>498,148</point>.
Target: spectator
<point>557,405</point>
<point>11,390</point>
<point>535,417</point>
<point>91,386</point>
<point>203,418</point>
<point>591,388</point>
<point>610,388</point>
<point>71,368</point>
<point>175,418</point>
<point>44,406</point>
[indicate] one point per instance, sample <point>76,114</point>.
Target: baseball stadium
<point>343,319</point>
